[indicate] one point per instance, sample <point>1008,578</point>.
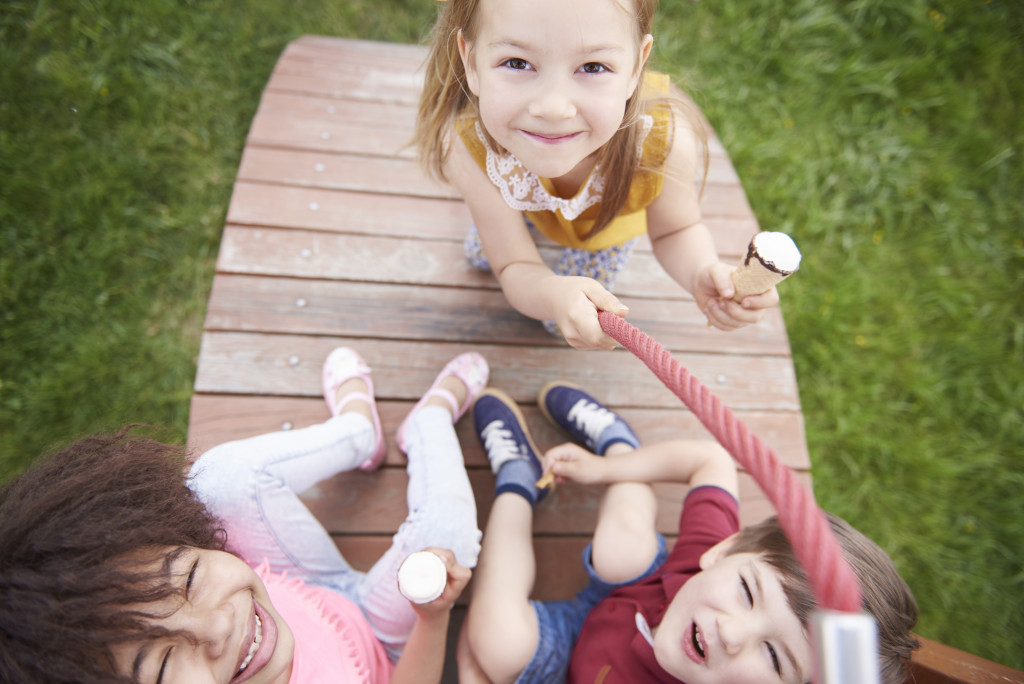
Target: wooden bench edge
<point>937,663</point>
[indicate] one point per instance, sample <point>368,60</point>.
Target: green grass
<point>884,136</point>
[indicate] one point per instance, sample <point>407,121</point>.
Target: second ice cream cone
<point>771,258</point>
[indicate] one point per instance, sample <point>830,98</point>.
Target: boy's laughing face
<point>732,623</point>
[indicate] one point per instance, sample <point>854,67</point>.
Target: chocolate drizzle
<point>752,253</point>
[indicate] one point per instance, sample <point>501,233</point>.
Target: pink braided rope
<point>834,584</point>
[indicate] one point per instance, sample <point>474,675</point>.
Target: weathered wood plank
<point>251,363</point>
<point>326,307</point>
<point>936,663</point>
<point>389,81</point>
<point>383,259</point>
<point>281,206</point>
<point>258,204</point>
<point>337,111</point>
<point>333,171</point>
<point>219,418</point>
<point>347,49</point>
<point>281,131</point>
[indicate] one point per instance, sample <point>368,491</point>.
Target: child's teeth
<point>255,645</point>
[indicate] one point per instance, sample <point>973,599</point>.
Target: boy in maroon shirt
<point>725,605</point>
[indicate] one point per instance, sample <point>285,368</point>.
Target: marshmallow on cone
<point>771,258</point>
<point>422,577</point>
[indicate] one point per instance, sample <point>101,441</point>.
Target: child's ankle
<point>454,385</point>
<point>618,449</point>
<point>518,476</point>
<point>354,386</point>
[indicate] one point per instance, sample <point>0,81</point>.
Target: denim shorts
<point>559,622</point>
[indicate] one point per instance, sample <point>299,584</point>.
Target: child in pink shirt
<point>116,566</point>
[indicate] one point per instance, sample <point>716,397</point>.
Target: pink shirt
<point>333,641</point>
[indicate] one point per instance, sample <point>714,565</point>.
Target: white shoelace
<point>500,445</point>
<point>591,419</point>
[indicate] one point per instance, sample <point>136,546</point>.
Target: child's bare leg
<point>625,538</point>
<point>501,632</point>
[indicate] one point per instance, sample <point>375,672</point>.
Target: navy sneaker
<point>510,449</point>
<point>584,418</point>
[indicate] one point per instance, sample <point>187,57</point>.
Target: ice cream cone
<point>771,258</point>
<point>422,577</point>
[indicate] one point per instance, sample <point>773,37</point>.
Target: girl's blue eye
<point>593,68</point>
<point>516,63</point>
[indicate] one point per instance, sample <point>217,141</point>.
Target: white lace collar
<point>523,190</point>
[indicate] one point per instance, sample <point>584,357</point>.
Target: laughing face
<point>553,78</point>
<point>732,623</point>
<point>238,635</point>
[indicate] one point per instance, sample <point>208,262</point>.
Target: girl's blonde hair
<point>446,96</point>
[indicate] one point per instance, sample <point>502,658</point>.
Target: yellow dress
<point>568,220</point>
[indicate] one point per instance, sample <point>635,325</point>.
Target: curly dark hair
<point>884,594</point>
<point>79,532</point>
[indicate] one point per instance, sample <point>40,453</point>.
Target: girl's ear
<point>645,49</point>
<point>465,53</point>
<point>645,52</point>
<point>717,552</point>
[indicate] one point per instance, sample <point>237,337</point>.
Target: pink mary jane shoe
<point>472,370</point>
<point>341,365</point>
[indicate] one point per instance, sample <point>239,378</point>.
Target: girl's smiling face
<point>553,76</point>
<point>238,635</point>
<point>732,622</point>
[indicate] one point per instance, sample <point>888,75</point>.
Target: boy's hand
<point>576,301</point>
<point>574,463</point>
<point>458,578</point>
<point>714,294</point>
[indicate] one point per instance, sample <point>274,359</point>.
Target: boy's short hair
<point>884,593</point>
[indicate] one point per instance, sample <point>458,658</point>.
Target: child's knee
<point>466,545</point>
<point>219,471</point>
<point>626,559</point>
<point>438,526</point>
<point>498,645</point>
<point>470,671</point>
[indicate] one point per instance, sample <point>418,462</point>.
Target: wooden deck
<point>334,237</point>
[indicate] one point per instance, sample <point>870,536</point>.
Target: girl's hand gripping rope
<point>577,301</point>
